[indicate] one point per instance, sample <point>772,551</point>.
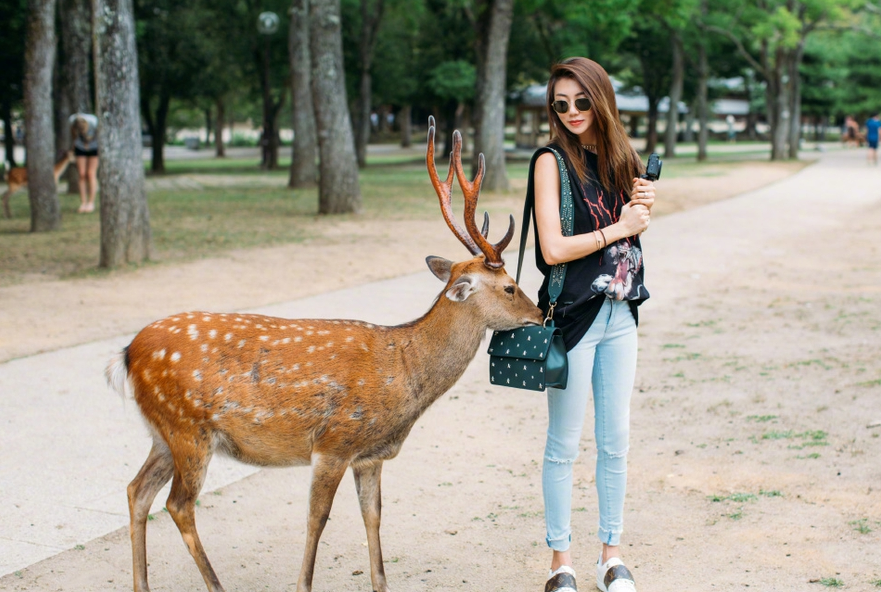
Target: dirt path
<point>755,425</point>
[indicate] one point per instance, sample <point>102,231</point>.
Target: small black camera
<point>653,168</point>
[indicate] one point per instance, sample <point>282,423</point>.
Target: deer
<point>17,178</point>
<point>332,394</point>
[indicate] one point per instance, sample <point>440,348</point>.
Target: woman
<point>597,307</point>
<point>84,131</point>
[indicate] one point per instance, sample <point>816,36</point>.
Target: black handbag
<point>534,358</point>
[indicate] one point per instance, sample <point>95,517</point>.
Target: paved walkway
<point>68,446</point>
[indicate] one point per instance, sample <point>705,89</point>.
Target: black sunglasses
<point>563,106</point>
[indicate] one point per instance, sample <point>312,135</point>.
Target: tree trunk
<point>208,125</point>
<point>218,128</point>
<point>795,58</point>
<point>490,99</point>
<point>678,77</point>
<point>125,219</point>
<point>8,133</point>
<point>40,138</point>
<point>269,138</point>
<point>651,136</point>
<point>370,20</point>
<point>156,126</point>
<point>338,190</point>
<point>76,46</point>
<point>404,118</point>
<point>703,112</point>
<point>304,170</point>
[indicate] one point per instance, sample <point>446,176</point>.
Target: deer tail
<point>116,373</point>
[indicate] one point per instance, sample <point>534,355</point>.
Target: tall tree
<point>125,219</point>
<point>371,17</point>
<point>493,24</point>
<point>771,36</point>
<point>338,191</point>
<point>13,15</point>
<point>74,94</point>
<point>304,170</point>
<point>40,139</point>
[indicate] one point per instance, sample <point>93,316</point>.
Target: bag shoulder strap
<point>567,217</point>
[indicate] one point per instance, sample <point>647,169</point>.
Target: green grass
<point>831,582</point>
<point>191,224</point>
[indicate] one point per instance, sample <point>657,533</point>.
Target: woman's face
<point>577,122</point>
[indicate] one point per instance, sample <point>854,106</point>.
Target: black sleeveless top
<point>615,271</point>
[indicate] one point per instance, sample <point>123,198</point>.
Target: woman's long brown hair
<point>618,161</point>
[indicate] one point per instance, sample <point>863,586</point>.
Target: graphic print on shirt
<point>627,259</point>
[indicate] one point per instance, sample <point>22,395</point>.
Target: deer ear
<point>464,287</point>
<point>440,267</point>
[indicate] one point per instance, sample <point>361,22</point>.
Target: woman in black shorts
<point>84,131</point>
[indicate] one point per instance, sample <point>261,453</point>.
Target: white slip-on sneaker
<point>561,580</point>
<point>613,576</point>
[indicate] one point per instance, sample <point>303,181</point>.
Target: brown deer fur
<point>278,392</point>
<point>17,177</point>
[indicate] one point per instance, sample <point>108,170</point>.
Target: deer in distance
<point>331,394</point>
<point>17,177</point>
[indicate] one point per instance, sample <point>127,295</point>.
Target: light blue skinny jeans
<point>604,359</point>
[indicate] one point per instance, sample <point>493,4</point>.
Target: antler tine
<point>445,191</point>
<point>485,230</point>
<point>471,191</point>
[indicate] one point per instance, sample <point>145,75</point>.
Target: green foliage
<point>453,80</point>
<point>13,14</point>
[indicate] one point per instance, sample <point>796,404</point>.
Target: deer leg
<point>189,474</point>
<point>327,472</point>
<point>6,211</point>
<point>155,473</point>
<point>367,482</point>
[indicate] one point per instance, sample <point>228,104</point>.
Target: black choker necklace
<point>590,147</point>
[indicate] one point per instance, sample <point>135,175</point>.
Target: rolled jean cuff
<point>608,537</point>
<point>559,544</point>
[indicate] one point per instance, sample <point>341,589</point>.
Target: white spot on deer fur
<point>241,343</point>
<point>159,355</point>
<point>350,339</point>
<point>389,379</point>
<point>264,338</point>
<point>197,375</point>
<point>170,329</point>
<point>218,390</point>
<point>324,332</point>
<point>147,377</point>
<point>175,319</point>
<point>310,349</point>
<point>298,339</point>
<point>286,340</point>
<point>206,319</point>
<point>193,332</point>
<point>364,347</point>
<point>309,332</point>
<point>329,344</point>
<point>227,337</point>
<point>212,333</point>
<point>361,382</point>
<point>175,356</point>
<point>189,316</point>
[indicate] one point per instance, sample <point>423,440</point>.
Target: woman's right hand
<point>634,219</point>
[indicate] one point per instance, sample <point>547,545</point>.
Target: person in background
<point>872,126</point>
<point>84,131</point>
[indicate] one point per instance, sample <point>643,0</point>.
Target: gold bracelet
<point>605,242</point>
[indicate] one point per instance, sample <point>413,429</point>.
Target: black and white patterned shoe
<point>561,580</point>
<point>613,576</point>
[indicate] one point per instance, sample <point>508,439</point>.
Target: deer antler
<point>474,240</point>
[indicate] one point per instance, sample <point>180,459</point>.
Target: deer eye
<point>509,289</point>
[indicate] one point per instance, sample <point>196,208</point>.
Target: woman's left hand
<point>643,193</point>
